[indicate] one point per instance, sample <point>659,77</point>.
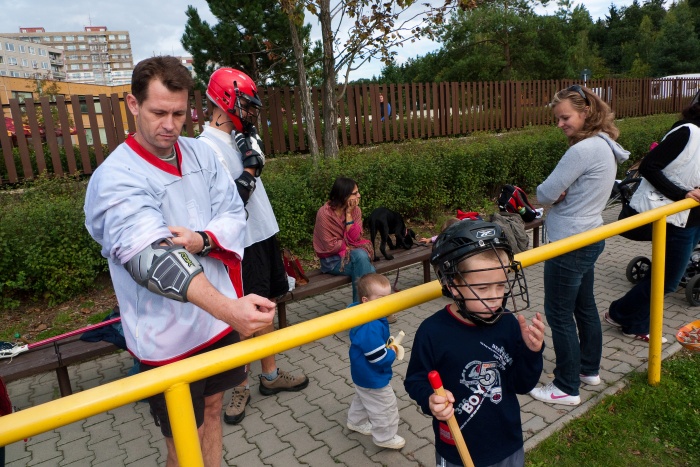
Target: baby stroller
<point>640,266</point>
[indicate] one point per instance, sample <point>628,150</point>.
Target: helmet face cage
<point>460,242</point>
<point>235,93</point>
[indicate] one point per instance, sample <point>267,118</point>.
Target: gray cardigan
<point>586,172</point>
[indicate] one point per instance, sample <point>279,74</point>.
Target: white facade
<point>19,59</point>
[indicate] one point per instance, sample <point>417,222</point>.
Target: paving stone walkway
<point>308,427</point>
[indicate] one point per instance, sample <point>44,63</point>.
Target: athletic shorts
<point>263,269</point>
<point>199,389</point>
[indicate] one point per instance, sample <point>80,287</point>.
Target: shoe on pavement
<point>553,395</point>
<point>365,428</point>
<point>591,380</point>
<point>235,412</point>
<point>397,442</point>
<point>284,382</point>
<point>643,337</point>
<point>611,321</point>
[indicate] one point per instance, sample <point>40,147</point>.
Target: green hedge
<point>48,254</point>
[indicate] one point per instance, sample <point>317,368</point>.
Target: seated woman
<point>338,241</point>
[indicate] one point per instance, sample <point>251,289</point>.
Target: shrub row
<point>48,254</point>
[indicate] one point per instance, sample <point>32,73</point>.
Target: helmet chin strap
<point>222,123</point>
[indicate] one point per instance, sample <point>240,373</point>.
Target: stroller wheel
<point>692,290</point>
<point>638,268</point>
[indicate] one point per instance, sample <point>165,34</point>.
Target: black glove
<point>252,158</point>
<point>245,184</point>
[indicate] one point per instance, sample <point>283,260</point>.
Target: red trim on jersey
<point>153,159</point>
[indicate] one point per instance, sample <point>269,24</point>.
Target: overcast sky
<point>155,27</point>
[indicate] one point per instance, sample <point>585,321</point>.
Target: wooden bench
<point>320,282</point>
<point>56,356</point>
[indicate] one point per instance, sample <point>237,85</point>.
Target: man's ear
<point>133,104</point>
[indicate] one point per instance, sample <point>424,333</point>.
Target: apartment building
<point>95,55</point>
<point>21,60</point>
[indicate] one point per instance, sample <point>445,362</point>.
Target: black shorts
<point>199,389</point>
<point>263,270</point>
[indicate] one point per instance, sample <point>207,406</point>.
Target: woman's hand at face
<point>351,203</point>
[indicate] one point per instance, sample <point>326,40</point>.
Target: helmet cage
<point>464,240</point>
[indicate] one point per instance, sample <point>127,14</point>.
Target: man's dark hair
<point>166,69</point>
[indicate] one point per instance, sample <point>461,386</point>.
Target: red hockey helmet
<point>236,94</point>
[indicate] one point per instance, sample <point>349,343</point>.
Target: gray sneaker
<point>283,382</point>
<point>235,412</point>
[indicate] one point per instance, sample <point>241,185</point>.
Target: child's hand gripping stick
<point>394,343</point>
<point>436,383</point>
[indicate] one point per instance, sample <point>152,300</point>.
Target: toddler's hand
<point>533,335</point>
<point>442,408</point>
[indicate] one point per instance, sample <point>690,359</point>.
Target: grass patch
<point>642,425</point>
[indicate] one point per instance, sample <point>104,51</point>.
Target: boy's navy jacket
<point>370,359</point>
<point>484,367</point>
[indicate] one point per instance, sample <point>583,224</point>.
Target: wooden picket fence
<point>418,110</point>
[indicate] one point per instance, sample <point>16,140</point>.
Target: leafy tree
<point>252,36</point>
<point>677,49</point>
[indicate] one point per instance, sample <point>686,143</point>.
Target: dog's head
<point>408,238</point>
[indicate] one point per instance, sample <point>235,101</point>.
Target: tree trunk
<point>305,96</point>
<point>330,119</point>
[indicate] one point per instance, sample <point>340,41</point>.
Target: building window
<point>122,37</point>
<point>3,73</point>
<point>82,47</point>
<point>2,60</point>
<point>46,39</point>
<point>86,66</point>
<point>45,65</point>
<point>123,46</point>
<point>70,47</point>
<point>58,38</point>
<point>75,66</point>
<point>32,50</point>
<point>70,38</point>
<point>35,64</point>
<point>27,75</point>
<point>11,61</point>
<point>42,52</point>
<point>15,74</point>
<point>9,47</point>
<point>21,48</point>
<point>25,62</point>
<point>81,38</point>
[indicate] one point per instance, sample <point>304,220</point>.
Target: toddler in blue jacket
<point>373,410</point>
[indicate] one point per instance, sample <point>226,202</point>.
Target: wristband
<point>349,223</point>
<point>206,249</point>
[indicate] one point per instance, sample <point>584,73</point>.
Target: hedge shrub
<point>47,253</point>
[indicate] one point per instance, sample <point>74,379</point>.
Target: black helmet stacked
<point>464,240</point>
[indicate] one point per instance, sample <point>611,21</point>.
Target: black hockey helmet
<point>468,238</point>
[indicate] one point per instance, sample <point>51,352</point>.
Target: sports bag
<point>513,199</point>
<point>292,266</point>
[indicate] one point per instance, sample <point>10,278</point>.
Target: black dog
<point>388,222</point>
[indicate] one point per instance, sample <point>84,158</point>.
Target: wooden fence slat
<point>343,125</point>
<point>21,139</point>
<point>65,133</point>
<point>118,122</point>
<point>51,138</point>
<point>352,114</point>
<point>7,153</point>
<point>36,135</point>
<point>299,114</point>
<point>287,114</point>
<point>108,122</point>
<point>94,129</point>
<point>82,140</point>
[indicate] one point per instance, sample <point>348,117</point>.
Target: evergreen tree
<point>677,49</point>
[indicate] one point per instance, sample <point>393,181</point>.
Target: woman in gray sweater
<point>577,189</point>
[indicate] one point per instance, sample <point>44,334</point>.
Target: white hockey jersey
<point>131,200</point>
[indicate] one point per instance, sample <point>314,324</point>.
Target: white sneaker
<point>552,395</point>
<point>397,442</point>
<point>365,428</point>
<point>643,337</point>
<point>593,380</point>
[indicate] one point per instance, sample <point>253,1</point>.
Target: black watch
<point>207,245</point>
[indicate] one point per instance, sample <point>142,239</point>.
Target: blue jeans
<point>569,304</point>
<point>359,265</point>
<point>633,309</point>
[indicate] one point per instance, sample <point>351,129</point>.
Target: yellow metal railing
<point>174,379</point>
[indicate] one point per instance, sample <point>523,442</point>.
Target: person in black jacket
<point>673,171</point>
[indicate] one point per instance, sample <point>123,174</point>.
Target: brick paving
<point>308,427</point>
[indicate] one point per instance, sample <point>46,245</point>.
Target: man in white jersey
<point>170,222</point>
<point>234,103</point>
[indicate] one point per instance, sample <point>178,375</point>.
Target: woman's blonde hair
<point>599,117</point>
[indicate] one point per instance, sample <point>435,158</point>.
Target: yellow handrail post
<point>658,261</point>
<point>184,425</point>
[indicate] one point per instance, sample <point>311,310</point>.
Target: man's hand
<point>442,408</point>
<point>533,335</point>
<point>251,313</point>
<point>189,239</point>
